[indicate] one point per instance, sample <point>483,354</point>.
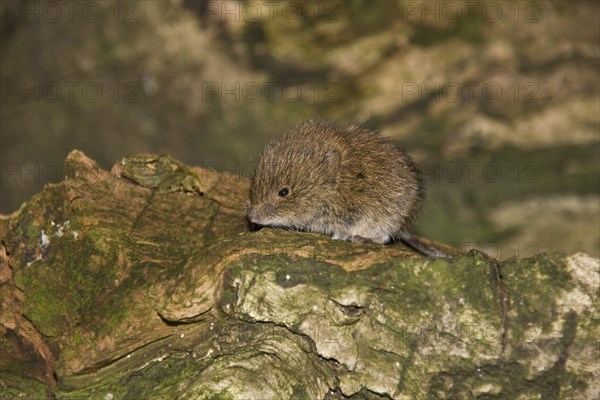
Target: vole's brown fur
<point>348,182</point>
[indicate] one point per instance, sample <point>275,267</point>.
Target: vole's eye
<point>283,192</point>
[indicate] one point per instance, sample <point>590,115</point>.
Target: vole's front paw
<point>352,238</point>
<point>360,240</point>
<point>339,236</point>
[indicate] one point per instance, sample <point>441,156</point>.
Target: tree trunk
<point>145,283</point>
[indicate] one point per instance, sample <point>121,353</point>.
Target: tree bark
<point>145,282</point>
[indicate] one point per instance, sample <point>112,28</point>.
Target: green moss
<point>60,289</point>
<point>187,372</point>
<point>14,387</point>
<point>157,380</point>
<point>528,282</point>
<point>417,295</point>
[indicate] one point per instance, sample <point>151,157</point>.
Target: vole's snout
<point>261,215</point>
<point>252,214</point>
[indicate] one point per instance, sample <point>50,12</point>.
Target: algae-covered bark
<point>146,283</point>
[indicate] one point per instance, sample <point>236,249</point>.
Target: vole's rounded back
<point>349,182</point>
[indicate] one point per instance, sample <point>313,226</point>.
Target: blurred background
<point>498,101</point>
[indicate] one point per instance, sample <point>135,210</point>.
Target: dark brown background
<point>497,100</point>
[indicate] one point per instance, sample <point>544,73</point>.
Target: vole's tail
<point>415,243</point>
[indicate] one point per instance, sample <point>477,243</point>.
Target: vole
<point>349,182</point>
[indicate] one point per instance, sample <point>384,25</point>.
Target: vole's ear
<point>332,161</point>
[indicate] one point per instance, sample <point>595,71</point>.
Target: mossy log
<point>145,283</point>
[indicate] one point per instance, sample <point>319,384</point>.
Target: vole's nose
<point>260,215</point>
<point>269,210</point>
